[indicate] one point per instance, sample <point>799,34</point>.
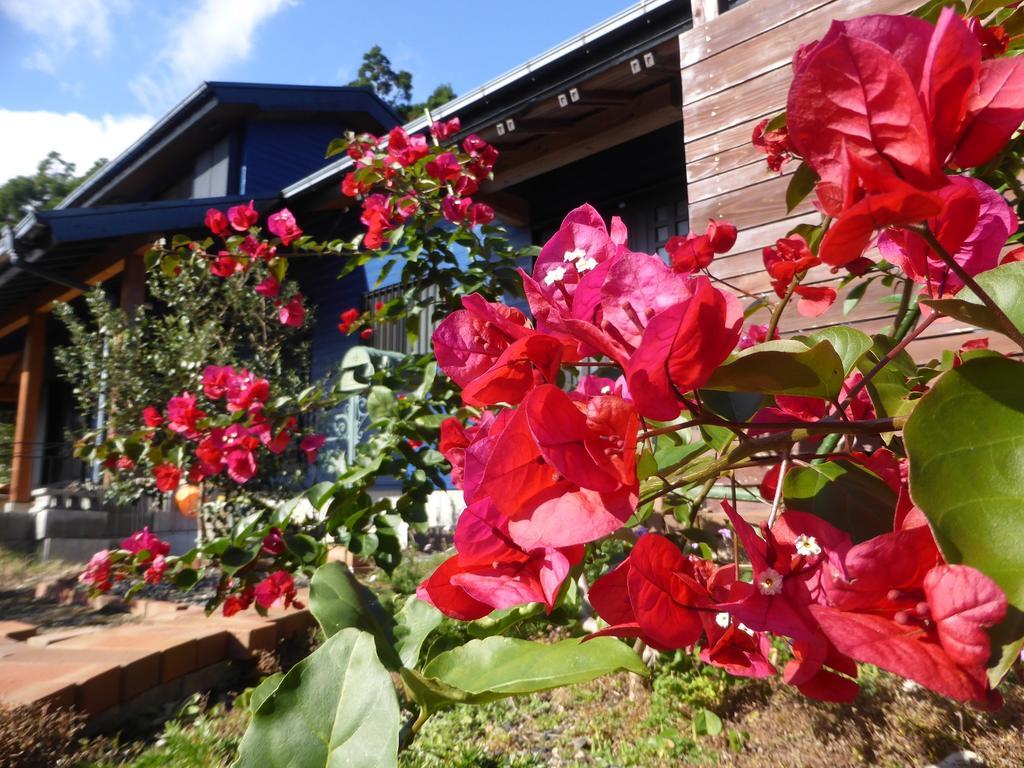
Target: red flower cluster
<point>141,552</point>
<point>788,261</point>
<point>694,252</point>
<point>411,173</point>
<point>774,143</point>
<point>879,108</point>
<point>238,257</point>
<point>228,443</point>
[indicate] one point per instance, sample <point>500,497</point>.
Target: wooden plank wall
<point>735,72</point>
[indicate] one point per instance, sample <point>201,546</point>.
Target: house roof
<point>639,27</point>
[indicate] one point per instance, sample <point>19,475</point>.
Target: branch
<point>1009,328</point>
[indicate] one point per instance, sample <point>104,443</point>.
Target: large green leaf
<point>965,441</point>
<point>849,343</point>
<point>486,670</point>
<point>414,623</point>
<point>845,494</point>
<point>336,707</point>
<point>801,184</point>
<point>337,600</point>
<point>782,368</point>
<point>889,387</point>
<point>1005,284</point>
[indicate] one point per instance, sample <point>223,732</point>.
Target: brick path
<point>96,669</point>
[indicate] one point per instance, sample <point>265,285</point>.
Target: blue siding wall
<point>318,278</point>
<point>276,154</point>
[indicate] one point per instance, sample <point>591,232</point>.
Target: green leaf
<point>236,558</point>
<point>777,122</point>
<point>305,548</point>
<point>338,601</point>
<point>414,623</point>
<point>381,404</point>
<point>889,387</point>
<point>499,622</point>
<point>849,343</point>
<point>1004,284</point>
<point>734,406</point>
<point>486,670</point>
<point>801,184</point>
<point>965,441</point>
<point>854,296</point>
<point>845,494</point>
<point>336,707</point>
<point>706,723</point>
<point>782,368</point>
<point>336,147</point>
<point>263,691</point>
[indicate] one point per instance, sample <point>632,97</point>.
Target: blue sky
<point>87,77</point>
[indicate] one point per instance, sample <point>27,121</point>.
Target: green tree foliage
<point>54,180</point>
<point>395,87</point>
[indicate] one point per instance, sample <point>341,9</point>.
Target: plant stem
<point>901,314</point>
<point>777,501</point>
<point>773,324</point>
<point>1009,328</point>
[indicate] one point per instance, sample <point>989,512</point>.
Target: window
<point>210,177</point>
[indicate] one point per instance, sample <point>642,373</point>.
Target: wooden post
<point>133,283</point>
<point>30,385</point>
<point>703,11</point>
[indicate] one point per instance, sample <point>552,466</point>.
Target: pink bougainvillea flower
<point>269,287</point>
<point>405,149</point>
<point>183,415</point>
<point>242,217</point>
<point>445,129</point>
<point>277,590</point>
<point>695,252</point>
<point>246,391</point>
<point>753,335</point>
<point>814,300</point>
<point>491,573</point>
<point>241,465</point>
<point>456,209</point>
<point>292,313</point>
<point>225,265</point>
<point>818,670</point>
<point>775,144</point>
<point>789,258</point>
<point>445,167</point>
<point>480,213</point>
<point>157,568</point>
<point>145,541</point>
<point>217,222</point>
<point>273,543</point>
<point>994,112</point>
<point>348,319</point>
<point>216,380</point>
<point>681,347</point>
<point>97,573</point>
<point>151,417</point>
<point>283,225</point>
<point>788,562</point>
<point>973,226</point>
<point>311,445</point>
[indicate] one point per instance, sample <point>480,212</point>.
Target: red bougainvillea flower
<point>657,594</point>
<point>311,445</point>
<point>210,452</point>
<point>931,631</point>
<point>151,417</point>
<point>775,144</point>
<point>790,408</point>
<point>994,39</point>
<point>292,313</point>
<point>277,590</point>
<point>695,252</point>
<point>217,222</point>
<point>366,334</point>
<point>242,217</point>
<point>224,265</point>
<point>444,130</point>
<point>973,227</point>
<point>183,415</point>
<point>216,380</point>
<point>820,671</point>
<point>730,644</point>
<point>681,347</point>
<point>789,258</point>
<point>480,214</point>
<point>788,563</point>
<point>455,209</point>
<point>405,149</point>
<point>491,573</point>
<point>563,470</point>
<point>241,465</point>
<point>283,225</point>
<point>753,335</point>
<point>348,318</point>
<point>238,602</point>
<point>97,572</point>
<point>269,287</point>
<point>245,391</point>
<point>378,219</point>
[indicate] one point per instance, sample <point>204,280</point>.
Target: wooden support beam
<point>703,11</point>
<point>648,112</point>
<point>133,283</point>
<point>103,267</point>
<point>30,385</point>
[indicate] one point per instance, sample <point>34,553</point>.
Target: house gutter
<point>25,263</point>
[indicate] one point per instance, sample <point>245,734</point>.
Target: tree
<point>395,88</point>
<point>54,180</point>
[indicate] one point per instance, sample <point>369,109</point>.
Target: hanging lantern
<point>188,498</point>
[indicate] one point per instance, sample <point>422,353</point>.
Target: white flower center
<point>722,619</point>
<point>555,275</point>
<point>606,390</point>
<point>769,582</point>
<point>585,265</point>
<point>744,628</point>
<point>574,255</point>
<point>807,545</point>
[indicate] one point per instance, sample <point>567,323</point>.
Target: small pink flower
<point>269,288</point>
<point>445,167</point>
<point>278,589</point>
<point>241,465</point>
<point>283,225</point>
<point>273,542</point>
<point>144,541</point>
<point>97,573</point>
<point>155,573</point>
<point>238,602</point>
<point>151,417</point>
<point>311,445</point>
<point>217,222</point>
<point>292,313</point>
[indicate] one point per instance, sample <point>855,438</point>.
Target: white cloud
<point>30,136</point>
<point>62,25</point>
<point>214,35</point>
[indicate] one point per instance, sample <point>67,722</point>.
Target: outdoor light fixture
<point>634,66</point>
<point>510,124</point>
<point>574,94</point>
<point>649,59</point>
<point>563,100</point>
<point>500,128</point>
